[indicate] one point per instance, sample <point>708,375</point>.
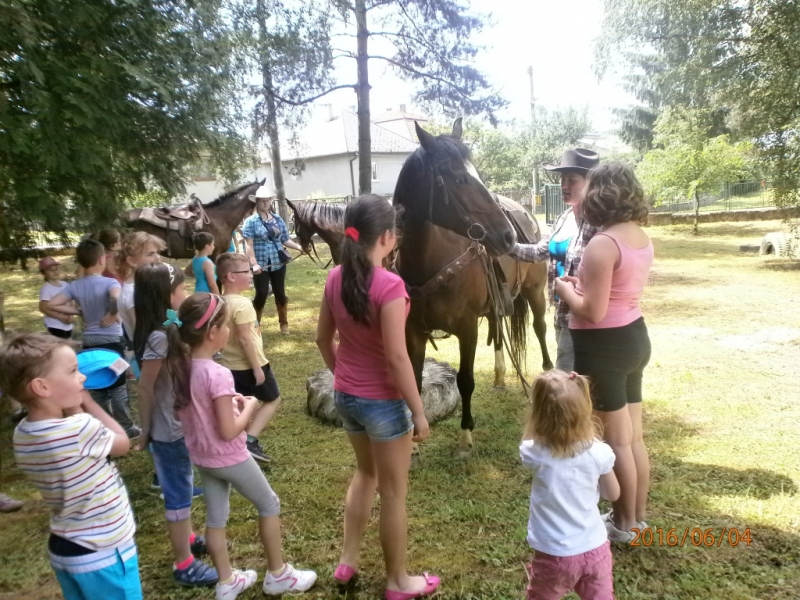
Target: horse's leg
<point>499,356</point>
<point>538,303</point>
<point>415,344</point>
<point>467,342</point>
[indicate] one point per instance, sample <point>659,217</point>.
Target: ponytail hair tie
<point>172,318</point>
<point>352,233</point>
<point>572,374</point>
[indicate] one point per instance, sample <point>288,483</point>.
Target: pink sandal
<point>344,573</point>
<point>431,584</point>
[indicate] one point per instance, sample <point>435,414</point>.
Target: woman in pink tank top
<point>612,346</point>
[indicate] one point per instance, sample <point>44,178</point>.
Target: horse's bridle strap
<point>444,275</point>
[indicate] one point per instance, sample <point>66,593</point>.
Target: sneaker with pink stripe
<point>241,581</point>
<point>290,581</point>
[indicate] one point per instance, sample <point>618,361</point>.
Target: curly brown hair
<point>614,195</point>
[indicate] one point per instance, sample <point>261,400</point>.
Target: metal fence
<point>733,195</point>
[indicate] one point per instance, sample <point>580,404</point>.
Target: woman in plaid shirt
<point>563,248</point>
<point>265,234</point>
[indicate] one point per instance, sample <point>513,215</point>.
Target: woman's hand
<point>144,440</point>
<point>421,428</point>
<point>564,286</point>
<point>259,375</point>
<point>256,268</point>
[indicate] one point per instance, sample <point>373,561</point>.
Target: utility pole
<point>536,194</point>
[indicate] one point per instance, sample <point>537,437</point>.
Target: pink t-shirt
<point>361,368</point>
<point>201,433</point>
<point>627,286</point>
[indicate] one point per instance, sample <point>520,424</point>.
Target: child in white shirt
<point>571,469</point>
<point>57,323</point>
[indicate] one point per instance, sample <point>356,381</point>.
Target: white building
<point>323,162</point>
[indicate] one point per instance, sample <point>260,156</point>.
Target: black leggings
<point>614,360</point>
<point>60,333</point>
<point>262,281</point>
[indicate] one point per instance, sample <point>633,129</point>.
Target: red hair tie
<point>352,233</point>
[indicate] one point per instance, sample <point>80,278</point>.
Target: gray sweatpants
<point>565,354</point>
<point>247,479</point>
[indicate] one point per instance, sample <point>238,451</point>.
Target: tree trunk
<point>696,212</point>
<point>272,115</point>
<point>362,91</point>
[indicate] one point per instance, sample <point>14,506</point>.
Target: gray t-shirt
<point>163,425</point>
<point>91,294</point>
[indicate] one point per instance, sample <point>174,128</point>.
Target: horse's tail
<point>518,334</point>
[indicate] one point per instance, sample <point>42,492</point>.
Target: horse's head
<point>439,183</point>
<point>302,229</point>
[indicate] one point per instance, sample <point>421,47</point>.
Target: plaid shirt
<point>265,250</point>
<point>541,252</point>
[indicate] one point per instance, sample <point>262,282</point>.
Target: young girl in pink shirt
<point>214,418</point>
<point>375,391</point>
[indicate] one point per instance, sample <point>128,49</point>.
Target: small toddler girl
<point>214,419</point>
<point>571,468</point>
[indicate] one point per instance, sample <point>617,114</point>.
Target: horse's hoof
<point>464,453</point>
<point>499,386</point>
<point>416,460</point>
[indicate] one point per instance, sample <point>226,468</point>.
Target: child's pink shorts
<point>589,574</point>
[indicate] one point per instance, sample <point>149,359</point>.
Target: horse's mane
<point>228,195</point>
<point>328,216</point>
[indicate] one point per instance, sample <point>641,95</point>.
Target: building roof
<point>339,135</point>
<point>400,122</point>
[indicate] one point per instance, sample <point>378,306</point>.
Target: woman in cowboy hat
<point>563,248</point>
<point>266,235</point>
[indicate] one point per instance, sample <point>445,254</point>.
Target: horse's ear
<point>426,140</point>
<point>292,206</point>
<point>262,182</point>
<point>457,129</point>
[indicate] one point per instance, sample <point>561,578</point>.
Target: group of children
<point>204,410</point>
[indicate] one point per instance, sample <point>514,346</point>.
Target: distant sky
<point>555,37</point>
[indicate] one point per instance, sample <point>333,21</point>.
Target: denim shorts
<point>174,470</point>
<point>381,420</point>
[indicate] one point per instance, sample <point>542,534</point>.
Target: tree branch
<point>312,98</point>
<point>420,73</point>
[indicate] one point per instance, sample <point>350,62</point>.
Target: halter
<point>475,231</point>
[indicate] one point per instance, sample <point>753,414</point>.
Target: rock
<point>440,395</point>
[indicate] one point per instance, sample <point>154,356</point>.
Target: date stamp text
<point>695,536</point>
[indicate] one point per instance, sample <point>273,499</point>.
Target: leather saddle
<point>184,218</point>
<point>524,224</point>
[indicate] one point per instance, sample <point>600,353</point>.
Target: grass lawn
<point>721,408</point>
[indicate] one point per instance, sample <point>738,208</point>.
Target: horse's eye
<point>461,180</point>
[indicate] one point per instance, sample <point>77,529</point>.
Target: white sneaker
<point>619,536</point>
<point>607,518</point>
<point>241,581</point>
<point>291,581</point>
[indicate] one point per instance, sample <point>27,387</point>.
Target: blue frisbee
<point>101,367</point>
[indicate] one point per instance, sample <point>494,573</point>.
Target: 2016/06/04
<point>695,536</point>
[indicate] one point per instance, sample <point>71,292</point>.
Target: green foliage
<point>99,99</point>
<point>737,58</point>
<point>506,155</point>
<point>686,161</point>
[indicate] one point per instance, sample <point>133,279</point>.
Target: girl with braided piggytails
<point>214,419</point>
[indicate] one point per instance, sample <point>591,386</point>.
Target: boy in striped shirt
<point>63,446</point>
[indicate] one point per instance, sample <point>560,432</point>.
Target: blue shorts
<point>108,574</point>
<point>381,420</point>
<point>174,470</point>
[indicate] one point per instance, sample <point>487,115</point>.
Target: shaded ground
<point>721,402</point>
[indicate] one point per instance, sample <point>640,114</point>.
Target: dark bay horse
<point>224,215</point>
<point>425,249</point>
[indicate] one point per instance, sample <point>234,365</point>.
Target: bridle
<point>313,248</point>
<point>475,231</point>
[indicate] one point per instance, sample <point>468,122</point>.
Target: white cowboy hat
<point>265,191</point>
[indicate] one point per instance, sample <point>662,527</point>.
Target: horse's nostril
<point>508,238</point>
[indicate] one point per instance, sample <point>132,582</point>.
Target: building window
<point>374,171</point>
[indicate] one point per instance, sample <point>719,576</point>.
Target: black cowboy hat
<point>576,159</point>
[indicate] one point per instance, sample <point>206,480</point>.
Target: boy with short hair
<point>57,323</point>
<point>244,352</point>
<point>96,297</point>
<point>63,446</point>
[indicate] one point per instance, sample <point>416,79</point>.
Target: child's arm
<point>231,426</point>
<point>48,311</point>
<point>121,443</point>
<point>326,330</point>
<point>147,380</point>
<point>63,304</point>
<point>609,486</point>
<point>112,316</point>
<point>208,269</point>
<point>243,336</point>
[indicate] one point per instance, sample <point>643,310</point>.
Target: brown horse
<point>224,215</point>
<point>427,248</point>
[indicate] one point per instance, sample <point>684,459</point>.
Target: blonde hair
<point>560,414</point>
<point>25,357</point>
<point>227,262</point>
<point>133,244</point>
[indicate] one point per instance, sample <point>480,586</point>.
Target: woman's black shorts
<point>614,360</point>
